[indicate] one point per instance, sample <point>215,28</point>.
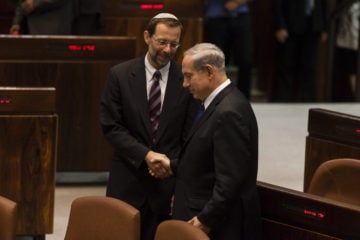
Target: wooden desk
<point>331,135</point>
<point>77,67</point>
<point>294,215</point>
<point>28,141</point>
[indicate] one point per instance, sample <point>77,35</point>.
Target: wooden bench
<point>293,215</point>
<point>330,135</point>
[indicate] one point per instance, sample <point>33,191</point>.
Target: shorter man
<point>217,168</point>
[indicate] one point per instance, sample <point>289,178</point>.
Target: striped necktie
<point>308,7</point>
<point>155,103</point>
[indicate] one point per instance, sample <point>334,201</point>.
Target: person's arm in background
<point>326,20</point>
<point>281,32</point>
<point>17,19</point>
<point>30,6</point>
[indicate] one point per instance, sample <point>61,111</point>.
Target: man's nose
<point>167,48</point>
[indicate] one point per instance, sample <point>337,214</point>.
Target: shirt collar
<point>216,91</point>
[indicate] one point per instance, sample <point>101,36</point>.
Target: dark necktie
<point>155,103</point>
<point>199,113</point>
<point>308,7</point>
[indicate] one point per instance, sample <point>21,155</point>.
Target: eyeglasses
<point>163,43</point>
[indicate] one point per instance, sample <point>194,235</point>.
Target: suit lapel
<point>209,111</point>
<point>137,83</point>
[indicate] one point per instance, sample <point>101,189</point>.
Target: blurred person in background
<point>345,56</point>
<point>45,17</point>
<point>300,25</point>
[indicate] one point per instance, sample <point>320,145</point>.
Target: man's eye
<point>188,75</point>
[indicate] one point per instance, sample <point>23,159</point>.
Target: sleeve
<point>18,15</point>
<point>279,18</point>
<point>47,5</point>
<point>114,127</point>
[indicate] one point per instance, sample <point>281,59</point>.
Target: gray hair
<point>206,53</point>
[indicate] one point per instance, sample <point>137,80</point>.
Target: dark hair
<point>170,22</point>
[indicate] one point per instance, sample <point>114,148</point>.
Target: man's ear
<point>147,37</point>
<point>209,69</point>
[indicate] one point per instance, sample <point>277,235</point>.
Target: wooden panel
<point>27,73</point>
<point>127,18</point>
<point>132,8</point>
<point>82,146</point>
<point>335,126</point>
<point>282,231</point>
<point>6,13</point>
<point>331,135</point>
<point>294,215</point>
<point>78,77</point>
<point>27,100</point>
<point>69,48</point>
<point>192,34</point>
<point>27,169</point>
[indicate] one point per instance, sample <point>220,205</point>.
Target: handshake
<point>158,165</point>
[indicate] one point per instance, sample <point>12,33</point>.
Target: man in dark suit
<point>300,25</point>
<point>49,17</point>
<point>126,123</point>
<point>217,169</point>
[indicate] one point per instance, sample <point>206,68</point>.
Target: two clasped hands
<point>158,165</point>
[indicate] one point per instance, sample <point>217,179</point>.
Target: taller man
<point>137,139</point>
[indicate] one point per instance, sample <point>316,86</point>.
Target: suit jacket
<point>49,17</point>
<point>217,170</point>
<point>126,125</point>
<point>291,15</point>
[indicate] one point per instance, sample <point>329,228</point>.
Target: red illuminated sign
<point>146,6</point>
<point>314,213</point>
<point>5,100</point>
<point>358,131</point>
<point>83,48</point>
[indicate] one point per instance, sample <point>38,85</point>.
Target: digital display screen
<point>5,100</point>
<point>305,211</point>
<point>146,6</point>
<point>143,4</point>
<point>83,48</point>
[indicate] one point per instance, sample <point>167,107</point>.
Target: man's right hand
<point>158,165</point>
<point>15,29</point>
<point>281,35</point>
